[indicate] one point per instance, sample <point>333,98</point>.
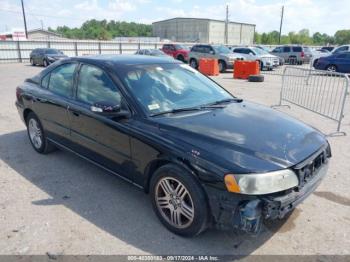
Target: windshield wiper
<point>225,101</point>
<point>177,110</point>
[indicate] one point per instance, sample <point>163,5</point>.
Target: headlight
<point>263,183</point>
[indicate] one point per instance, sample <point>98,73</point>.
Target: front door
<point>93,134</point>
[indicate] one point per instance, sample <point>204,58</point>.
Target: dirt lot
<point>63,205</point>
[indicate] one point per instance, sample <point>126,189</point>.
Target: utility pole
<point>226,26</point>
<point>42,24</point>
<point>24,19</point>
<point>279,38</point>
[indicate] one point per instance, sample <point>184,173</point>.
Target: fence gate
<point>321,92</point>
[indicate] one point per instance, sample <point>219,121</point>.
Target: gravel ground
<point>61,204</point>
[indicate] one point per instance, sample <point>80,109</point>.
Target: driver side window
<point>94,86</point>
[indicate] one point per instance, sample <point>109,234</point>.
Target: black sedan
<point>45,56</point>
<point>205,157</point>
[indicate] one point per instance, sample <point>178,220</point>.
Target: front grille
<point>309,168</point>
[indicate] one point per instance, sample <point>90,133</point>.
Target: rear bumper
<point>20,110</point>
<point>247,212</point>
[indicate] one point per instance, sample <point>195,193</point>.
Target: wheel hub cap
<point>174,202</point>
<point>35,133</point>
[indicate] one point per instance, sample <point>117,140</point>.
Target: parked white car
<point>316,54</point>
<point>266,60</point>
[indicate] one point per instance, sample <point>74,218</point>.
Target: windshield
<point>157,52</point>
<point>221,49</point>
<point>165,87</point>
<point>259,51</point>
<point>52,51</point>
<point>180,47</point>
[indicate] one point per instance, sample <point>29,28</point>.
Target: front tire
<point>222,66</point>
<point>181,58</point>
<point>179,201</point>
<point>46,64</point>
<point>32,62</point>
<point>193,63</point>
<point>37,136</point>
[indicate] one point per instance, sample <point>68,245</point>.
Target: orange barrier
<point>209,66</point>
<point>243,69</point>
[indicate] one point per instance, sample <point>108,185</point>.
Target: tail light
<point>18,93</point>
<point>302,54</point>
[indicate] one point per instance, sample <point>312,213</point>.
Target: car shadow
<point>114,205</point>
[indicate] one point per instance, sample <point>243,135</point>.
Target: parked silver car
<point>224,56</point>
<point>293,54</point>
<point>266,60</point>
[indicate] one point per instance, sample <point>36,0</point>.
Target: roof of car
<point>124,60</point>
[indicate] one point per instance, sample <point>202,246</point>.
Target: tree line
<point>106,30</point>
<point>341,37</point>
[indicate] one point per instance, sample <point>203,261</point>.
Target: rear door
<point>52,104</point>
<point>92,133</point>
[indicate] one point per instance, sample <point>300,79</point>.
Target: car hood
<point>232,56</point>
<point>268,56</point>
<point>246,137</point>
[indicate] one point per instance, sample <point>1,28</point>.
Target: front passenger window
<point>94,86</point>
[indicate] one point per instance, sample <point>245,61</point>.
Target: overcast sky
<point>317,15</point>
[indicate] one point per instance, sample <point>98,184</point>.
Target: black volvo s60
<point>205,157</point>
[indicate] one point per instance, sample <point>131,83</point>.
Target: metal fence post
<point>99,47</point>
<point>120,48</point>
<point>48,44</point>
<point>76,48</point>
<point>346,89</point>
<point>139,46</point>
<point>19,52</point>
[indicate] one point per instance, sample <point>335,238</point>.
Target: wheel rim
<point>193,64</point>
<point>221,66</point>
<point>331,69</point>
<point>174,202</point>
<point>35,133</point>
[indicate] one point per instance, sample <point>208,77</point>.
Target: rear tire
<point>179,201</point>
<point>32,62</point>
<point>37,136</point>
<point>180,58</point>
<point>332,68</point>
<point>46,64</point>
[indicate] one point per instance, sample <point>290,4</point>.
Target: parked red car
<point>177,51</point>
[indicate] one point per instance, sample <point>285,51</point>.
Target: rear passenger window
<point>94,86</point>
<point>61,80</point>
<point>286,49</point>
<point>297,49</point>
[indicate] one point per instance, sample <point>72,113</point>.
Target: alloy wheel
<point>35,133</point>
<point>174,202</point>
<point>331,68</point>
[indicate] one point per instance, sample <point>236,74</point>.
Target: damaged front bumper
<point>247,213</point>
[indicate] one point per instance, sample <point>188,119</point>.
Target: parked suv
<point>177,51</point>
<point>220,52</point>
<point>266,60</point>
<point>45,56</point>
<point>293,54</point>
